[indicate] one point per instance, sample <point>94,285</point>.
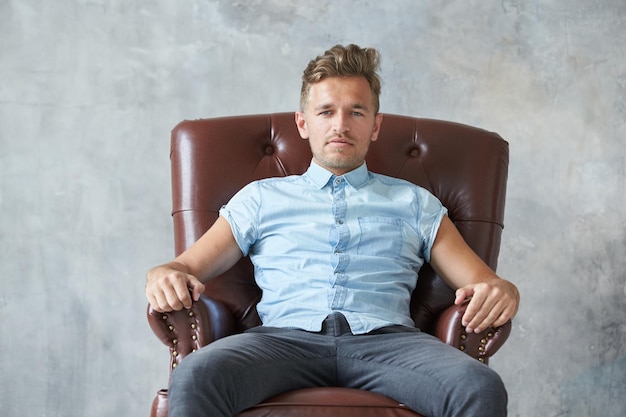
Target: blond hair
<point>343,61</point>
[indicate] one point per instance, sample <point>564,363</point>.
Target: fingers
<point>168,290</point>
<point>179,298</point>
<point>462,294</point>
<point>490,306</point>
<point>197,288</point>
<point>485,316</point>
<point>183,294</point>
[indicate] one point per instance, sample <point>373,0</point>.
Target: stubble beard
<point>340,159</point>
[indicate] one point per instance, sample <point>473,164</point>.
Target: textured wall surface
<point>90,89</point>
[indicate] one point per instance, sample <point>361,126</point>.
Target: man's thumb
<point>197,288</point>
<point>463,294</point>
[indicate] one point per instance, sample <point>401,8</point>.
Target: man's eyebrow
<point>322,107</point>
<point>355,106</point>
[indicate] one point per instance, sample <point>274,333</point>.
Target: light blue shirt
<point>322,243</point>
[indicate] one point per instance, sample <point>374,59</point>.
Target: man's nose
<point>341,124</point>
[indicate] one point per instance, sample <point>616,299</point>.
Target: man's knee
<point>205,365</point>
<point>488,379</point>
<point>205,383</point>
<point>484,390</point>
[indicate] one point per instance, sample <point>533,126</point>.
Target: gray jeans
<point>412,367</point>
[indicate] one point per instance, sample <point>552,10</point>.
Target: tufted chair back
<point>465,167</point>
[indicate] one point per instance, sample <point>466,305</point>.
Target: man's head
<point>343,61</point>
<point>339,114</point>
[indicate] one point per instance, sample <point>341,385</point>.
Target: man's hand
<point>492,303</point>
<point>168,288</point>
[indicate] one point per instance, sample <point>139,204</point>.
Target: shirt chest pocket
<point>380,236</point>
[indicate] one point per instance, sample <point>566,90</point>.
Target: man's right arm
<point>168,286</point>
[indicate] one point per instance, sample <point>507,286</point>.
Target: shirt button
<point>340,221</point>
<point>338,181</point>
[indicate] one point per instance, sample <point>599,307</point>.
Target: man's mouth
<point>339,142</point>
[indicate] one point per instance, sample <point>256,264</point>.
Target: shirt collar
<point>320,176</point>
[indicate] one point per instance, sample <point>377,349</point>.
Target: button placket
<point>341,233</point>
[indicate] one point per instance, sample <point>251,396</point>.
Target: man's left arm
<point>493,300</point>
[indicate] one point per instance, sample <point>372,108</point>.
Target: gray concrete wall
<point>90,89</point>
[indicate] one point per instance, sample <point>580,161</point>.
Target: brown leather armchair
<point>465,167</point>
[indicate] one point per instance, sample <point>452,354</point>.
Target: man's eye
<point>356,113</point>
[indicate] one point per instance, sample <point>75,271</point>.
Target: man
<point>335,252</point>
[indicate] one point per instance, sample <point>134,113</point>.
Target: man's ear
<point>377,122</point>
<point>301,124</point>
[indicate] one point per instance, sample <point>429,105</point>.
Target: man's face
<point>339,122</point>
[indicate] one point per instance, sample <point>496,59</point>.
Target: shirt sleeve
<point>431,213</point>
<point>242,214</point>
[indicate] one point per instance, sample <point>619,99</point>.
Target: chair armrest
<point>186,331</point>
<point>481,345</point>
